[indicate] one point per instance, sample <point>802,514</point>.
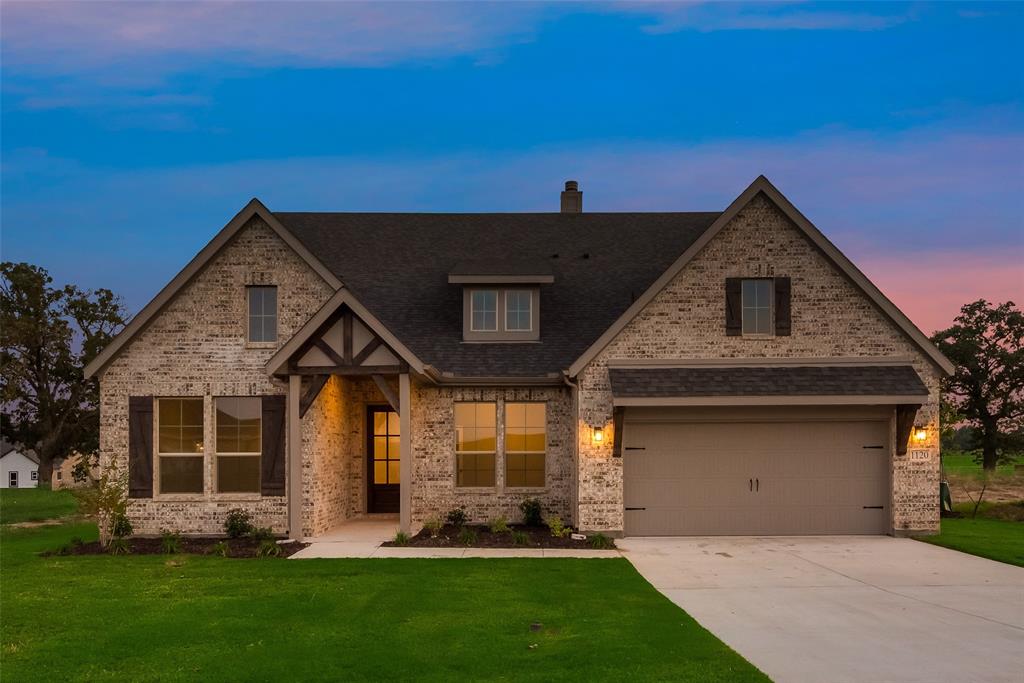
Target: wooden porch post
<point>294,478</point>
<point>405,450</point>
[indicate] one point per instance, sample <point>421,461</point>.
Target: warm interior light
<point>598,435</point>
<point>920,434</point>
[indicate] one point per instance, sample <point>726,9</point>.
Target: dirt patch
<point>479,536</point>
<point>56,521</point>
<point>1002,488</point>
<point>190,545</point>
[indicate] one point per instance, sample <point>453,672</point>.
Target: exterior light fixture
<point>598,435</point>
<point>920,433</point>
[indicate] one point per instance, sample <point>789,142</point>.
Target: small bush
<point>532,512</point>
<point>401,538</point>
<point>220,549</point>
<point>499,525</point>
<point>433,526</point>
<point>520,538</point>
<point>600,542</point>
<point>263,533</point>
<point>558,528</point>
<point>120,525</point>
<point>238,523</point>
<point>118,546</point>
<point>170,543</point>
<point>456,516</point>
<point>76,542</point>
<point>467,536</point>
<point>63,550</point>
<point>268,548</point>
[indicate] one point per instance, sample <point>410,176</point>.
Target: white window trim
<point>771,308</point>
<point>249,316</point>
<point>529,310</point>
<point>500,333</point>
<point>498,295</point>
<point>12,479</point>
<point>34,475</point>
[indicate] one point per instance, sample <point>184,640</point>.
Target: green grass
<point>963,463</point>
<point>188,618</point>
<point>33,505</point>
<point>992,538</point>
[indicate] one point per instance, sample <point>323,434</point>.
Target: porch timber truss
<point>344,345</point>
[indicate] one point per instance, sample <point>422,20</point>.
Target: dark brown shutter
<point>140,446</point>
<point>733,306</point>
<point>273,460</point>
<point>783,326</point>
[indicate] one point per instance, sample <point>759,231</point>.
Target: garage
<point>789,476</point>
<point>755,450</point>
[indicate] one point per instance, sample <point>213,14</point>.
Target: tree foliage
<point>986,343</point>
<point>47,336</point>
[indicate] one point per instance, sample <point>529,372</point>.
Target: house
<point>19,466</point>
<point>63,476</point>
<point>639,373</point>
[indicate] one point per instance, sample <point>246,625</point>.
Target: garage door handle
<point>872,507</point>
<point>751,483</point>
<point>627,509</point>
<point>636,448</point>
<point>757,484</point>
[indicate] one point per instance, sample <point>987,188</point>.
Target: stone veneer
<point>686,320</point>
<point>196,348</point>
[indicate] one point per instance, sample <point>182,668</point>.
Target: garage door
<point>756,478</point>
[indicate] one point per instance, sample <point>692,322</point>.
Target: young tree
<point>986,343</point>
<point>47,336</point>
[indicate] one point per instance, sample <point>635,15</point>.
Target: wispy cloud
<point>669,17</point>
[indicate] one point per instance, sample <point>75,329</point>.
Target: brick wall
<point>830,318</point>
<point>196,347</point>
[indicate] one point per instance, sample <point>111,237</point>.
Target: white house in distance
<point>19,467</point>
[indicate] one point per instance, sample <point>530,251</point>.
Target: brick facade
<point>686,320</point>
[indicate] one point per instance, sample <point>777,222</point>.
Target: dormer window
<point>518,310</point>
<point>501,298</point>
<point>483,310</point>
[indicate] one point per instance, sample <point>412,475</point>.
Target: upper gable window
<point>483,307</point>
<point>501,314</point>
<point>757,306</point>
<point>262,314</point>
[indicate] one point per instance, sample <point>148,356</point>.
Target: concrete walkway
<point>363,538</point>
<point>843,609</point>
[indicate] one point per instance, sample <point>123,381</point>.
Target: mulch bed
<point>188,545</point>
<point>449,537</point>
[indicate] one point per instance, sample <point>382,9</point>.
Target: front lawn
<point>191,617</point>
<point>33,505</point>
<point>992,538</point>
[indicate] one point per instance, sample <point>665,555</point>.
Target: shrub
<point>558,528</point>
<point>600,542</point>
<point>109,497</point>
<point>532,512</point>
<point>520,538</point>
<point>76,542</point>
<point>268,548</point>
<point>238,523</point>
<point>120,525</point>
<point>433,526</point>
<point>456,516</point>
<point>499,525</point>
<point>467,536</point>
<point>118,546</point>
<point>401,538</point>
<point>263,533</point>
<point>170,543</point>
<point>220,549</point>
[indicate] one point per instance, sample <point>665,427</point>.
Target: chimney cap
<point>571,185</point>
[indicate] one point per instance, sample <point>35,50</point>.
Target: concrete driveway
<point>864,609</point>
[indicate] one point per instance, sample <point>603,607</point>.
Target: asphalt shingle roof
<point>846,380</point>
<point>397,265</point>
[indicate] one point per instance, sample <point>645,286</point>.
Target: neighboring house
<point>19,466</point>
<point>63,476</point>
<point>639,373</point>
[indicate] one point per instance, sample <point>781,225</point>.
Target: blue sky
<point>131,132</point>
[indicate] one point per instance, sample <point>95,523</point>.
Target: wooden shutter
<point>272,464</point>
<point>733,306</point>
<point>783,326</point>
<point>140,446</point>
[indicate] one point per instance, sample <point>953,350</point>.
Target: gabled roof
<point>762,186</point>
<point>8,447</point>
<point>139,322</point>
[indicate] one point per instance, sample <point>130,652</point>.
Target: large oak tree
<point>47,337</point>
<point>986,343</point>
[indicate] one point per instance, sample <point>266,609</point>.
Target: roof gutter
<point>451,379</point>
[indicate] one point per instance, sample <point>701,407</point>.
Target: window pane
<point>394,447</point>
<point>238,424</point>
<point>484,310</point>
<point>393,469</point>
<point>517,309</point>
<point>535,441</point>
<point>380,448</point>
<point>238,474</point>
<point>380,423</point>
<point>485,469</point>
<point>263,314</point>
<point>249,439</point>
<point>515,478</point>
<point>393,428</point>
<point>515,439</point>
<point>535,415</point>
<point>255,301</point>
<point>515,415</point>
<point>181,475</point>
<point>533,478</point>
<point>380,472</point>
<point>170,412</point>
<point>486,415</point>
<point>269,301</point>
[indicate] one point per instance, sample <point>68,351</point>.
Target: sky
<point>131,132</point>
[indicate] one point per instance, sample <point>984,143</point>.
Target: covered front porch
<point>348,419</point>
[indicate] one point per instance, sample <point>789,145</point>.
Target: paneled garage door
<point>756,478</point>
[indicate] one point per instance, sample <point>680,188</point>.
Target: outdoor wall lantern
<point>920,433</point>
<point>598,435</point>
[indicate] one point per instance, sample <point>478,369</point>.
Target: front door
<point>382,452</point>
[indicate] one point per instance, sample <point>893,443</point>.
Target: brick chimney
<point>572,198</point>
